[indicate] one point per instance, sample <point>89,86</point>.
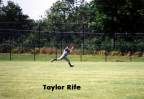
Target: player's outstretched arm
<point>71,49</point>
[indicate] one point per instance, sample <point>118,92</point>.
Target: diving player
<point>64,55</point>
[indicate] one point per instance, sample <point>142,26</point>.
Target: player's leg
<point>60,58</point>
<point>57,59</point>
<point>65,58</point>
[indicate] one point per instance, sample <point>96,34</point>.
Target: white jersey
<point>66,52</point>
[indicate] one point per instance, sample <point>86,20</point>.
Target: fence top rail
<point>71,32</point>
<point>139,33</point>
<point>56,32</point>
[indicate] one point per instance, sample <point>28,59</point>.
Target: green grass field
<point>98,80</point>
<point>92,58</point>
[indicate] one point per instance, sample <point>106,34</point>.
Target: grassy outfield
<point>98,80</point>
<point>47,57</point>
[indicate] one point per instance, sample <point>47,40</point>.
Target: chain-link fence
<point>88,46</point>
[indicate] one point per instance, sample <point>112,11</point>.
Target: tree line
<point>69,15</point>
<point>97,16</point>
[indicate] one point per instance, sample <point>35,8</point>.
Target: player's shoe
<point>53,60</point>
<point>71,65</point>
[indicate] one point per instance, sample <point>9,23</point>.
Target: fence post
<point>39,37</point>
<point>106,55</point>
<point>61,42</point>
<point>10,46</point>
<point>114,39</point>
<point>130,58</point>
<point>81,53</point>
<point>34,50</point>
<point>56,51</point>
<point>83,38</point>
<point>82,45</point>
<point>55,43</point>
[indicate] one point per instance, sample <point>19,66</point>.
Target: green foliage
<point>100,15</point>
<point>108,16</point>
<point>56,16</point>
<point>122,15</point>
<point>13,18</point>
<point>98,80</point>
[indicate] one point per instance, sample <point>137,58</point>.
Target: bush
<point>48,51</point>
<point>115,53</point>
<point>102,52</point>
<point>15,50</point>
<point>5,48</point>
<point>36,51</point>
<point>138,54</point>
